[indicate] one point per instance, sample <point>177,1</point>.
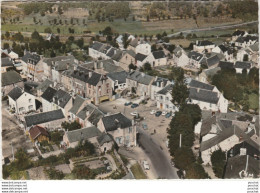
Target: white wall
<point>144,49</point>
<point>25,101</point>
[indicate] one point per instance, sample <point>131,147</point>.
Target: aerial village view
<point>130,90</point>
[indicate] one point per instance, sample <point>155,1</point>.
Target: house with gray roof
<point>206,96</point>
<point>41,88</point>
<point>50,119</point>
<point>77,105</point>
<point>240,66</point>
<point>140,60</point>
<point>118,81</point>
<point>140,83</point>
<point>72,138</point>
<point>156,58</point>
<point>105,142</point>
<point>127,58</point>
<point>194,59</point>
<point>122,129</point>
<point>21,101</point>
<point>158,84</point>
<point>31,65</point>
<point>164,99</point>
<point>206,74</point>
<point>203,46</point>
<point>6,63</point>
<point>9,80</point>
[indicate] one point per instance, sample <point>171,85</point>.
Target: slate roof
<point>195,56</point>
<point>44,85</point>
<point>140,77</point>
<point>204,43</point>
<point>117,56</point>
<point>104,138</point>
<point>254,47</point>
<point>165,90</point>
<point>115,121</point>
<point>140,57</point>
<point>223,48</point>
<point>130,52</point>
<point>206,125</point>
<point>83,75</point>
<point>211,72</point>
<point>238,33</point>
<point>83,113</point>
<point>223,64</point>
<point>15,93</point>
<point>160,80</point>
<point>49,94</point>
<point>95,116</point>
<point>10,77</point>
<point>134,42</point>
<point>238,163</point>
<point>213,61</point>
<point>243,65</point>
<point>45,117</point>
<point>82,134</point>
<point>119,76</point>
<point>6,62</point>
<point>202,85</point>
<point>52,61</point>
<point>203,95</point>
<point>158,54</point>
<point>31,58</point>
<point>61,98</point>
<point>251,147</point>
<point>76,104</point>
<point>111,52</point>
<point>36,130</point>
<point>96,45</point>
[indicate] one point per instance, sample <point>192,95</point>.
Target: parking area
<point>13,135</point>
<point>156,126</point>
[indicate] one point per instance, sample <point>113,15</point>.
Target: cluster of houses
<point>71,90</point>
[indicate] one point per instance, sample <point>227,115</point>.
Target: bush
<point>218,160</point>
<point>83,172</point>
<point>54,174</point>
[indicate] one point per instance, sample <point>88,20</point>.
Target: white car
<point>164,113</point>
<point>134,113</point>
<point>146,165</point>
<point>152,112</point>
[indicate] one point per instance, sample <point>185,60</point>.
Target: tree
<point>133,18</point>
<point>193,110</point>
<point>71,126</point>
<point>147,66</point>
<point>132,66</point>
<point>107,31</point>
<point>147,18</point>
<point>35,35</point>
<point>47,30</point>
<point>58,30</point>
<point>125,40</point>
<point>80,42</point>
<point>218,160</point>
<point>180,93</point>
<point>60,10</point>
<point>6,46</point>
<point>177,74</point>
<point>54,174</point>
<point>22,160</point>
<point>7,34</point>
<point>83,172</point>
<point>52,54</point>
<point>71,38</point>
<point>153,48</point>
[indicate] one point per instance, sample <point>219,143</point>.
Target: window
<point>21,109</point>
<point>107,85</point>
<point>30,100</point>
<point>167,98</point>
<point>167,106</point>
<point>107,90</point>
<point>161,97</point>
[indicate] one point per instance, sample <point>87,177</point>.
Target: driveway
<point>12,134</point>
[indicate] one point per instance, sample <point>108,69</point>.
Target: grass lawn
<point>138,172</point>
<point>253,101</point>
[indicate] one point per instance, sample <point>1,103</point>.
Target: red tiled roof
<point>35,131</point>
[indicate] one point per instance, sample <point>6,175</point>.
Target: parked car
<point>134,113</point>
<point>168,115</point>
<point>146,165</point>
<point>158,113</point>
<point>128,103</point>
<point>152,112</point>
<point>134,105</point>
<point>164,113</point>
<point>145,126</point>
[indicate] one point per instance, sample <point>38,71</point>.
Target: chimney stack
<point>90,74</point>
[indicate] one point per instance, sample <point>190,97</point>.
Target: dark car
<point>158,113</point>
<point>168,115</point>
<point>128,103</point>
<point>134,105</point>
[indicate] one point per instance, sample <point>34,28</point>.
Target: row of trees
<point>182,128</point>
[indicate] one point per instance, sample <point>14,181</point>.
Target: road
<point>158,157</point>
<point>211,28</point>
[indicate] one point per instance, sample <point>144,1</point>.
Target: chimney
<point>142,74</point>
<point>89,74</point>
<point>242,151</point>
<point>198,89</point>
<point>101,65</point>
<point>158,84</point>
<point>114,51</point>
<point>162,84</point>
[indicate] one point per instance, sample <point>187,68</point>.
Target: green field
<point>253,101</point>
